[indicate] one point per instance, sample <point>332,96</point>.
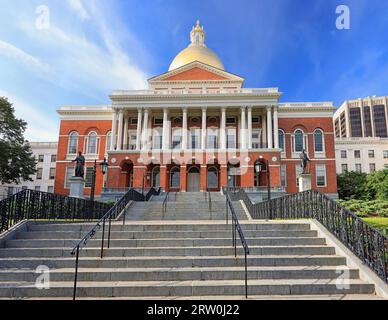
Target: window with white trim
<point>319,141</point>
<point>231,138</point>
<point>320,170</point>
<point>89,177</point>
<point>212,138</point>
<point>283,175</point>
<point>256,135</point>
<point>299,141</point>
<point>108,141</point>
<point>282,142</point>
<point>194,138</point>
<point>177,138</point>
<point>157,138</point>
<point>91,143</point>
<point>73,143</point>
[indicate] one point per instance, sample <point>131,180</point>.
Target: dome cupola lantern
<point>197,51</point>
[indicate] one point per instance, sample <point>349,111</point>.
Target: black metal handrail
<point>236,228</point>
<point>113,213</point>
<point>165,201</point>
<point>36,205</point>
<point>366,242</point>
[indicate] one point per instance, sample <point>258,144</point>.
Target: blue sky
<point>92,47</point>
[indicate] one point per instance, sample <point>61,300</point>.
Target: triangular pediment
<point>196,72</point>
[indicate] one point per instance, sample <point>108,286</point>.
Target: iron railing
<point>165,201</point>
<point>208,199</point>
<point>113,213</point>
<point>236,228</point>
<point>366,242</point>
<point>37,205</point>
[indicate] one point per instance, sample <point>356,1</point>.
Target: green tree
<point>352,185</point>
<point>17,162</point>
<point>377,184</point>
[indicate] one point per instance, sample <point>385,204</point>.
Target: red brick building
<point>195,128</point>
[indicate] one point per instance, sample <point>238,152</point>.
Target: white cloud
<point>78,7</point>
<point>10,51</point>
<point>39,126</point>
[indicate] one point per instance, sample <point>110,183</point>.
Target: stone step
<point>176,242</point>
<point>181,274</point>
<point>186,288</point>
<point>168,227</point>
<point>167,252</point>
<point>174,262</point>
<point>166,234</point>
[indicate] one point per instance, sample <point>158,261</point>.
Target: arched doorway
<point>175,178</point>
<point>260,173</point>
<point>212,178</point>
<point>155,177</point>
<point>234,175</point>
<point>194,179</point>
<point>127,172</point>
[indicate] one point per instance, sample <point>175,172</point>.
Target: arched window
<point>108,141</point>
<point>212,177</point>
<point>73,143</point>
<point>156,177</point>
<point>299,141</point>
<point>91,145</point>
<point>282,142</point>
<point>318,141</point>
<point>175,177</point>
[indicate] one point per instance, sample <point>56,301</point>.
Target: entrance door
<point>194,180</point>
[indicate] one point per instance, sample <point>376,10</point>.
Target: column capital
<point>269,108</point>
<point>223,109</point>
<point>166,110</point>
<point>185,109</point>
<point>204,109</point>
<point>139,109</point>
<point>243,108</point>
<point>250,108</point>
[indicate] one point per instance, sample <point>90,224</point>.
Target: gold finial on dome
<point>197,51</point>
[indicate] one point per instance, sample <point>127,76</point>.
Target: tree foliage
<point>352,185</point>
<point>377,185</point>
<point>17,162</point>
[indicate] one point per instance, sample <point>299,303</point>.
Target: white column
<point>114,129</point>
<point>165,129</point>
<point>269,127</point>
<point>223,129</point>
<point>249,127</point>
<point>203,140</point>
<point>120,130</point>
<point>139,131</point>
<point>243,129</point>
<point>125,140</point>
<point>276,126</point>
<point>184,129</point>
<point>263,131</point>
<point>145,130</point>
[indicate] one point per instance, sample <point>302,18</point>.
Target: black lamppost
<point>104,167</point>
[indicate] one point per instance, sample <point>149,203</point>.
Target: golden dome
<point>197,51</point>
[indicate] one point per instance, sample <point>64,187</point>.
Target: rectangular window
<point>283,175</point>
<point>320,170</point>
<point>344,168</point>
<point>37,188</point>
<point>256,120</point>
<point>41,158</point>
<point>372,167</point>
<point>52,173</point>
<point>357,154</point>
<point>53,158</point>
<point>157,142</point>
<point>231,138</point>
<point>256,139</point>
<point>158,121</point>
<point>337,128</point>
<point>343,125</point>
<point>385,154</point>
<point>355,122</point>
<point>358,167</point>
<point>212,139</point>
<point>194,134</point>
<point>231,120</point>
<point>70,172</point>
<point>371,154</point>
<point>89,177</point>
<point>24,188</point>
<point>176,139</point>
<point>344,154</point>
<point>380,121</point>
<point>50,189</point>
<point>39,174</point>
<point>133,121</point>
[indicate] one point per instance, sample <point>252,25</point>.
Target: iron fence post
<point>76,274</point>
<point>102,238</point>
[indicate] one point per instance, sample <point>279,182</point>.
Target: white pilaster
<point>249,128</point>
<point>269,127</point>
<point>203,136</point>
<point>223,128</point>
<point>243,131</point>
<point>264,131</point>
<point>184,129</point>
<point>120,130</point>
<point>165,129</point>
<point>145,130</point>
<point>114,129</point>
<point>139,131</point>
<point>276,126</point>
<point>125,140</point>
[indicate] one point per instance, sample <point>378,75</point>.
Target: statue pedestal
<point>304,182</point>
<point>77,185</point>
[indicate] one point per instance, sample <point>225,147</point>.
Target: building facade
<point>197,128</point>
<point>46,157</point>
<point>361,130</point>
